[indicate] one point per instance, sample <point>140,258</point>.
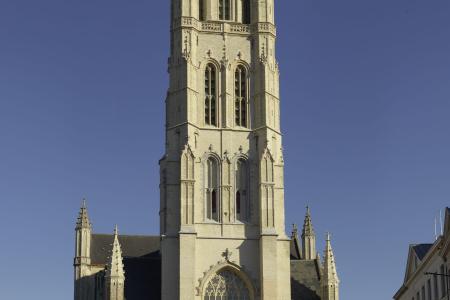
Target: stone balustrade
<point>227,27</point>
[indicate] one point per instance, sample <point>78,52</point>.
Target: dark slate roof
<point>132,246</point>
<point>141,260</point>
<point>305,279</point>
<point>422,250</point>
<point>142,264</point>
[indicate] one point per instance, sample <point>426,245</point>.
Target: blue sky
<point>365,113</point>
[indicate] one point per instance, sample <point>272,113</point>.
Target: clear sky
<point>365,112</point>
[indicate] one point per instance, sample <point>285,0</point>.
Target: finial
<point>116,230</point>
<point>294,228</point>
<point>227,254</point>
<point>328,237</point>
<point>83,218</point>
<point>308,210</point>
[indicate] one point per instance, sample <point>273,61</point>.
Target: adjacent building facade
<point>427,274</point>
<point>222,225</point>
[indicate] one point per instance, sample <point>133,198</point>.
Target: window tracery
<point>226,285</point>
<point>210,95</point>
<point>212,189</point>
<point>240,95</point>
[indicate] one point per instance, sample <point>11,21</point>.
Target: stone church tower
<point>222,190</point>
<point>222,225</point>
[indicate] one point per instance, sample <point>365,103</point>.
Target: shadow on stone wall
<point>143,277</point>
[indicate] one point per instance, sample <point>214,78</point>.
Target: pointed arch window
<point>240,96</point>
<point>212,189</point>
<point>224,10</point>
<point>241,190</point>
<point>246,17</point>
<point>226,285</point>
<point>210,95</point>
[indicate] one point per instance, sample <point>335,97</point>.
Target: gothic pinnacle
<point>308,229</point>
<point>308,237</point>
<point>294,230</point>
<point>115,264</point>
<point>329,264</point>
<point>83,217</point>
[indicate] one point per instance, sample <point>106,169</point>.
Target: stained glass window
<point>226,285</point>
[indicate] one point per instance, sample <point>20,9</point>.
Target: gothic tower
<point>222,190</point>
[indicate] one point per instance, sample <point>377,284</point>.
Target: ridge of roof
<point>127,235</point>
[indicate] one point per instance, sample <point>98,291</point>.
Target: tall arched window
<point>241,190</point>
<point>246,17</point>
<point>224,10</point>
<point>201,10</point>
<point>212,189</point>
<point>240,96</point>
<point>226,285</point>
<point>210,95</point>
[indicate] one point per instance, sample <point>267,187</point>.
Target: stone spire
<point>82,260</point>
<point>115,274</point>
<point>330,280</point>
<point>83,218</point>
<point>83,230</point>
<point>308,237</point>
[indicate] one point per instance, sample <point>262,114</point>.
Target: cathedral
<point>222,220</point>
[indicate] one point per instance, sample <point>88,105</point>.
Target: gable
<point>415,256</point>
